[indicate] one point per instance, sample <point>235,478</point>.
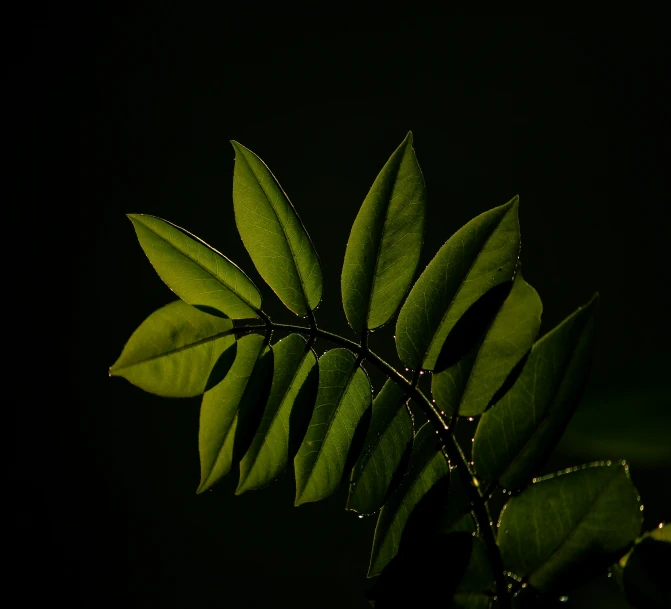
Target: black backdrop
<point>130,108</point>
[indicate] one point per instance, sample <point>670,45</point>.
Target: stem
<point>452,450</point>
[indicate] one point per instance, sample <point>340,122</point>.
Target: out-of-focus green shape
<point>644,573</point>
<point>287,412</point>
<point>468,386</point>
<point>343,396</point>
<point>479,256</point>
<point>196,272</point>
<point>388,438</point>
<point>472,590</point>
<point>231,410</point>
<point>427,466</point>
<point>274,235</point>
<point>570,522</point>
<point>174,351</point>
<point>385,242</point>
<point>514,437</point>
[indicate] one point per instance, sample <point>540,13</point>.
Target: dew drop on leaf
<point>563,599</point>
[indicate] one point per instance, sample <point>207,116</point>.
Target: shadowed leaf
<point>287,411</point>
<point>569,525</point>
<point>389,435</point>
<point>343,396</point>
<point>232,409</point>
<point>174,350</point>
<point>514,437</point>
<point>385,242</point>
<point>196,272</point>
<point>479,256</point>
<point>427,466</point>
<point>470,385</point>
<point>274,235</point>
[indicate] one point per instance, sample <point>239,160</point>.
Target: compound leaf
<point>196,272</point>
<point>569,523</point>
<point>287,412</point>
<point>344,394</point>
<point>385,242</point>
<point>478,257</point>
<point>274,235</point>
<point>515,436</point>
<point>174,351</point>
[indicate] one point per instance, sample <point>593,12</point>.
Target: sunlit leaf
<point>388,438</point>
<point>343,396</point>
<point>274,235</point>
<point>567,523</point>
<point>385,243</point>
<point>174,350</point>
<point>196,272</point>
<point>232,409</point>
<point>468,386</point>
<point>427,466</point>
<point>478,257</point>
<point>515,436</point>
<point>286,415</point>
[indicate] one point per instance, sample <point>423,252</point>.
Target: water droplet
<point>660,525</point>
<point>360,515</point>
<point>470,419</point>
<point>421,372</point>
<point>394,336</point>
<point>610,574</point>
<point>406,369</point>
<point>563,599</point>
<point>641,508</point>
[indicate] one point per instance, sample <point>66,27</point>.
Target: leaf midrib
<point>279,221</point>
<point>209,247</point>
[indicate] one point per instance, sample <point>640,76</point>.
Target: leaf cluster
<point>469,322</point>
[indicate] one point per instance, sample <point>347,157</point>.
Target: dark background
<point>130,109</point>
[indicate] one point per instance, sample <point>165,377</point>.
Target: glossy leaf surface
<point>515,436</point>
<point>427,466</point>
<point>385,242</point>
<point>569,522</point>
<point>478,257</point>
<point>174,350</point>
<point>343,396</point>
<point>231,410</point>
<point>196,272</point>
<point>388,438</point>
<point>274,235</point>
<point>468,386</point>
<point>286,414</point>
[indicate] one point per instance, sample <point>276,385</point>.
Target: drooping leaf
<point>286,415</point>
<point>174,350</point>
<point>515,436</point>
<point>427,466</point>
<point>468,386</point>
<point>645,573</point>
<point>385,243</point>
<point>196,272</point>
<point>478,257</point>
<point>274,235</point>
<point>231,410</point>
<point>388,438</point>
<point>343,396</point>
<point>570,523</point>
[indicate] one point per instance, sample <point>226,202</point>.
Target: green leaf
<point>569,523</point>
<point>427,466</point>
<point>231,410</point>
<point>469,386</point>
<point>643,572</point>
<point>343,396</point>
<point>274,235</point>
<point>388,438</point>
<point>385,243</point>
<point>515,436</point>
<point>287,412</point>
<point>174,350</point>
<point>472,590</point>
<point>196,272</point>
<point>478,257</point>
